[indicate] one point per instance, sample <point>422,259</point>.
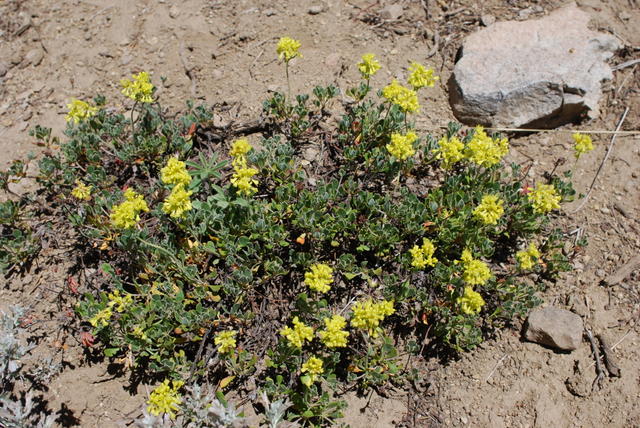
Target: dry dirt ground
<point>223,52</point>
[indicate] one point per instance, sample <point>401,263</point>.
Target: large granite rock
<point>554,327</point>
<point>538,73</point>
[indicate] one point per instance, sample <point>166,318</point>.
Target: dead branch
<point>623,271</point>
<point>596,355</point>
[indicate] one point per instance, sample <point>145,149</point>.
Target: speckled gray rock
<point>554,327</point>
<point>537,73</point>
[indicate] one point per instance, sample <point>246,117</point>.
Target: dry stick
<point>606,156</point>
<point>623,271</point>
<point>596,355</point>
<point>496,367</point>
<point>609,359</point>
<point>626,64</point>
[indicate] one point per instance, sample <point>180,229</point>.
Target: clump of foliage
<point>242,264</point>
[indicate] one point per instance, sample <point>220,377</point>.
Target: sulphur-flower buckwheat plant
<point>314,366</point>
<point>240,147</point>
<point>449,151</point>
<point>489,210</point>
<point>368,315</point>
<point>405,98</point>
<point>369,66</point>
<point>101,319</point>
<point>401,146</point>
<point>243,180</point>
<point>471,302</point>
<point>81,191</point>
<point>528,258</point>
<point>544,198</point>
<point>178,202</point>
<point>583,144</point>
<point>288,49</point>
<point>319,278</point>
<point>119,302</point>
<point>334,335</point>
<point>127,214</point>
<point>79,111</point>
<point>175,172</point>
<point>484,150</point>
<point>476,272</point>
<point>165,399</point>
<point>140,89</point>
<point>226,342</point>
<point>422,256</point>
<point>297,335</point>
<point>421,77</point>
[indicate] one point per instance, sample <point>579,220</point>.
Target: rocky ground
<point>223,53</point>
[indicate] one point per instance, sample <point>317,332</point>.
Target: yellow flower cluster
<point>165,399</point>
<point>297,335</point>
<point>368,315</point>
<point>484,150</point>
<point>175,172</point>
<point>119,302</point>
<point>178,202</point>
<point>313,366</point>
<point>226,341</point>
<point>240,148</point>
<point>334,335</point>
<point>405,98</point>
<point>583,144</point>
<point>140,89</point>
<point>470,302</point>
<point>401,146</point>
<point>242,177</point>
<point>544,198</point>
<point>369,65</point>
<point>489,210</point>
<point>79,111</point>
<point>288,48</point>
<point>127,214</point>
<point>476,272</point>
<point>421,77</point>
<point>422,256</point>
<point>450,151</point>
<point>527,258</point>
<point>81,191</point>
<point>101,319</point>
<point>319,278</point>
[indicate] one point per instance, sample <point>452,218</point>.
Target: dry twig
<point>596,355</point>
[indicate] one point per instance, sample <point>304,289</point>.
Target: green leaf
<point>110,352</point>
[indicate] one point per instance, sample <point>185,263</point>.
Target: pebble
<point>487,20</point>
<point>269,12</point>
<point>174,11</point>
<point>332,60</point>
<point>316,9</point>
<point>391,12</point>
<point>34,57</point>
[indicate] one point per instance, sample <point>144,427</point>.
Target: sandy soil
<point>222,52</point>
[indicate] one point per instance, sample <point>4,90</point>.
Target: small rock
<point>269,12</point>
<point>487,20</point>
<point>4,68</point>
<point>34,57</point>
<point>554,327</point>
<point>316,9</point>
<point>174,11</point>
<point>311,154</point>
<point>391,12</point>
<point>273,88</point>
<point>332,60</point>
<point>219,121</point>
<point>126,59</point>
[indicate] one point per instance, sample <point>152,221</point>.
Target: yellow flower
<point>470,302</point>
<point>165,399</point>
<point>544,198</point>
<point>139,333</point>
<point>79,110</point>
<point>401,146</point>
<point>334,336</point>
<point>121,302</point>
<point>288,48</point>
<point>489,210</point>
<point>423,256</point>
<point>140,89</point>
<point>313,366</point>
<point>226,342</point>
<point>527,258</point>
<point>368,315</point>
<point>297,335</point>
<point>101,319</point>
<point>81,191</point>
<point>583,144</point>
<point>450,150</point>
<point>319,278</point>
<point>485,151</point>
<point>127,214</point>
<point>476,272</point>
<point>175,172</point>
<point>240,147</point>
<point>369,65</point>
<point>421,76</point>
<point>243,179</point>
<point>178,202</point>
<point>405,98</point>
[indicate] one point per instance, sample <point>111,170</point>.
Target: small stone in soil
<point>316,9</point>
<point>554,327</point>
